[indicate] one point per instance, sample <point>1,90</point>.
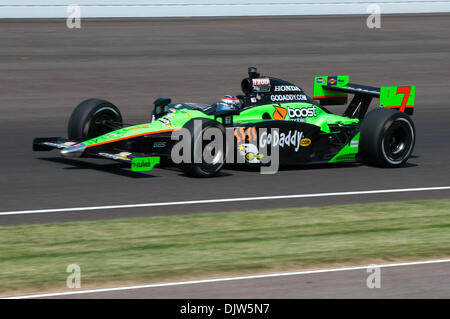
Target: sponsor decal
<point>166,122</point>
<point>332,80</point>
<point>291,139</point>
<point>305,142</point>
<point>299,115</point>
<point>288,97</point>
<point>245,134</point>
<point>53,144</point>
<point>280,113</point>
<point>159,144</point>
<point>228,119</point>
<point>253,99</point>
<point>261,82</point>
<point>67,144</point>
<point>112,135</point>
<point>62,145</point>
<point>261,85</point>
<point>354,144</point>
<point>286,88</point>
<point>124,154</point>
<point>250,152</point>
<point>320,80</point>
<point>347,157</point>
<point>140,164</point>
<point>114,156</point>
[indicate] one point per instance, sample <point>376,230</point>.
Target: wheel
<point>204,168</point>
<point>93,118</point>
<point>387,138</point>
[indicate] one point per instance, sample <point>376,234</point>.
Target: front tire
<point>204,168</point>
<point>387,138</point>
<point>92,118</point>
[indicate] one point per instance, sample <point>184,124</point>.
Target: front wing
<point>137,161</point>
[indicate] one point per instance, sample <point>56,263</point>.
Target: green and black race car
<point>272,113</point>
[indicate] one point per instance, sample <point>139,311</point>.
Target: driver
<point>227,103</point>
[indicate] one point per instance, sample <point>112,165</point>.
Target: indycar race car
<point>271,113</point>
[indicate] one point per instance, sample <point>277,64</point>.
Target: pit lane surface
<point>47,69</point>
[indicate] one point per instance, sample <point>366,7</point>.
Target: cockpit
<point>257,89</point>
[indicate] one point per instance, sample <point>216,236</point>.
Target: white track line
<point>224,200</point>
<point>192,282</point>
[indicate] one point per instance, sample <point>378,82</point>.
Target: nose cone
<point>73,151</point>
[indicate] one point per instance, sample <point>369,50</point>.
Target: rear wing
<point>334,90</point>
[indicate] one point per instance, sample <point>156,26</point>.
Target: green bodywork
<point>177,118</point>
<point>322,118</point>
<point>348,152</point>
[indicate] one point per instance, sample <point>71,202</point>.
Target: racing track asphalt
<point>429,281</point>
<point>47,69</point>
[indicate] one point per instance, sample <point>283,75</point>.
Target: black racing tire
<point>88,119</point>
<point>387,138</point>
<point>203,168</point>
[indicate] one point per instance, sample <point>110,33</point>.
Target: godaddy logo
<point>291,139</point>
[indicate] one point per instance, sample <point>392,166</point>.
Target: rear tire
<point>204,169</point>
<point>89,118</point>
<point>387,138</point>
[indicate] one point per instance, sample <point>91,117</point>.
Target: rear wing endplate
<point>334,90</point>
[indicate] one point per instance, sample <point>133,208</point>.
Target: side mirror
<point>162,101</point>
<point>160,104</point>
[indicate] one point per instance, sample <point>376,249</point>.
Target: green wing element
<point>142,164</point>
<point>398,97</point>
<point>327,96</point>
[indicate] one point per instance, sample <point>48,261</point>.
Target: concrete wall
<point>199,8</point>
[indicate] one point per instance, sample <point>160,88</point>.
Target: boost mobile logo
<point>295,114</point>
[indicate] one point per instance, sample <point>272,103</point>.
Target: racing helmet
<point>231,100</point>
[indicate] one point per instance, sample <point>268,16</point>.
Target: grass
<point>33,258</point>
